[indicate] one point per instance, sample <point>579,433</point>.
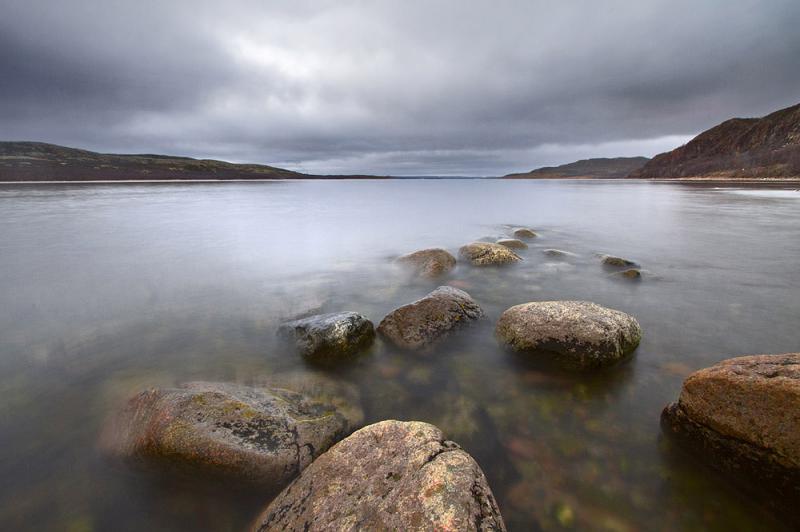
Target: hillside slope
<point>599,168</point>
<point>36,161</point>
<point>767,147</point>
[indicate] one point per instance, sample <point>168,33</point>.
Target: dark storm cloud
<point>412,87</point>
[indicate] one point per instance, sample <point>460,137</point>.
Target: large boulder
<point>575,335</point>
<point>392,475</point>
<point>265,436</point>
<point>487,254</point>
<point>429,262</point>
<point>420,324</point>
<point>742,416</point>
<point>329,337</point>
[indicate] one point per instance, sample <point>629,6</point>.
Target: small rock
<point>557,253</point>
<point>617,262</point>
<point>329,337</point>
<point>392,475</point>
<point>524,232</point>
<point>742,416</point>
<point>421,324</point>
<point>488,254</point>
<point>630,274</point>
<point>512,243</point>
<point>259,435</point>
<point>429,262</point>
<point>576,335</point>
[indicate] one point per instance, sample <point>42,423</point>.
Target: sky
<point>404,87</point>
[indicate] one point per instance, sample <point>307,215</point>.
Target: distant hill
<point>600,168</point>
<point>767,147</point>
<point>36,161</point>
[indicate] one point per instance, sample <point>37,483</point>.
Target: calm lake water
<point>109,289</point>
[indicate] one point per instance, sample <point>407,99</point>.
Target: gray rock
<point>524,232</point>
<point>429,262</point>
<point>512,243</point>
<point>558,253</point>
<point>576,335</point>
<point>329,337</point>
<point>488,254</point>
<point>258,435</point>
<point>392,475</point>
<point>419,325</point>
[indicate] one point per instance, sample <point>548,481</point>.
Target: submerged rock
<point>392,475</point>
<point>429,262</point>
<point>558,253</point>
<point>488,254</point>
<point>421,324</point>
<point>260,435</point>
<point>329,337</point>
<point>742,416</point>
<point>616,262</point>
<point>524,232</point>
<point>512,243</point>
<point>630,274</point>
<point>575,335</point>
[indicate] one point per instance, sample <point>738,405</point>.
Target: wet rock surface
<point>429,262</point>
<point>524,232</point>
<point>512,243</point>
<point>631,274</point>
<point>574,335</point>
<point>419,325</point>
<point>742,416</point>
<point>392,475</point>
<point>616,262</point>
<point>488,254</point>
<point>264,436</point>
<point>558,253</point>
<point>329,337</point>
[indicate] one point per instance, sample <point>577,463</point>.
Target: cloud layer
<point>408,88</point>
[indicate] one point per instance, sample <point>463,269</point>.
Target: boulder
<point>512,243</point>
<point>742,417</point>
<point>419,325</point>
<point>329,337</point>
<point>575,335</point>
<point>392,475</point>
<point>429,262</point>
<point>524,232</point>
<point>616,262</point>
<point>488,254</point>
<point>264,436</point>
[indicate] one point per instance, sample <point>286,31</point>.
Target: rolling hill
<point>600,168</point>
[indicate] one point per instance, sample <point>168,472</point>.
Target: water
<point>109,289</point>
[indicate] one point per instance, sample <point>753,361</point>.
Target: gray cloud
<point>412,87</point>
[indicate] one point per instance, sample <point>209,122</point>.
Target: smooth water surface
<point>106,290</point>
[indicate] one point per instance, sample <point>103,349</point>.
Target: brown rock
<point>631,274</point>
<point>616,262</point>
<point>488,254</point>
<point>574,334</point>
<point>512,243</point>
<point>421,324</point>
<point>260,435</point>
<point>392,475</point>
<point>429,262</point>
<point>524,232</point>
<point>743,417</point>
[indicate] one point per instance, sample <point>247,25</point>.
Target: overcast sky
<point>404,87</point>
